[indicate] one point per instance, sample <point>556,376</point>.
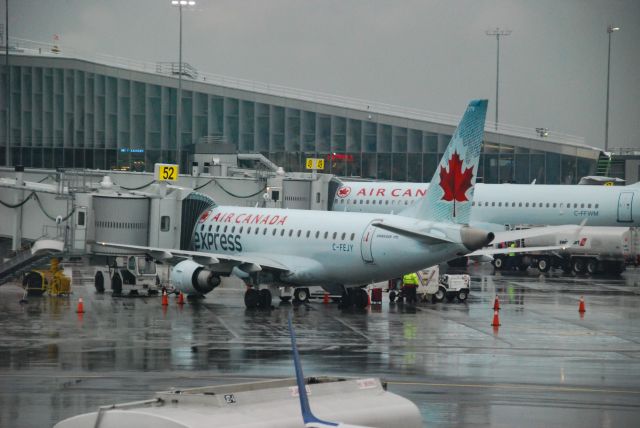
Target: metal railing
<point>30,47</point>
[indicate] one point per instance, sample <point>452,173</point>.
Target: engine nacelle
<point>191,278</point>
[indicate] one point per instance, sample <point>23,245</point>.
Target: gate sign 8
<point>314,163</point>
<point>165,172</point>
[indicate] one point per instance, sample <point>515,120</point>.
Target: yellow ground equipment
<point>52,281</point>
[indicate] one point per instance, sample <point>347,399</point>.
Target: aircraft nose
<point>474,239</point>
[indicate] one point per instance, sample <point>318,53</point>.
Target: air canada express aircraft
<point>339,251</point>
<point>506,204</point>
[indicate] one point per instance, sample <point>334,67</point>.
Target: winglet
<point>307,416</point>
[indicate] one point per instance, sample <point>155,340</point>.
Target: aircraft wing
<point>570,231</point>
<point>492,251</point>
<point>251,262</point>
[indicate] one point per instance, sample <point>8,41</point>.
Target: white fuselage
<point>507,204</point>
<point>324,248</point>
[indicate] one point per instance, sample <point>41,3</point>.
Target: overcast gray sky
<point>428,54</point>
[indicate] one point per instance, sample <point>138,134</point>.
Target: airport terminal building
<point>88,111</point>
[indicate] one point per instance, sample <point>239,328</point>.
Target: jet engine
<point>191,278</point>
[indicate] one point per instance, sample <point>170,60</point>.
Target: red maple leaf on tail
<point>455,183</point>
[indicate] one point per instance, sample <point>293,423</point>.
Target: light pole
<point>7,157</point>
<point>610,29</point>
<point>180,4</point>
<point>498,33</point>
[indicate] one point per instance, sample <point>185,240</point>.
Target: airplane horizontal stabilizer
<point>415,234</point>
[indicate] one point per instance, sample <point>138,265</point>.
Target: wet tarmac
<point>546,365</point>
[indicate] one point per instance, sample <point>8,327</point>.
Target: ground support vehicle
<point>435,287</point>
<point>595,250</point>
<point>130,274</point>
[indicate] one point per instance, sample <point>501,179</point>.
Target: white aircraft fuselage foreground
<point>501,204</point>
<point>278,247</point>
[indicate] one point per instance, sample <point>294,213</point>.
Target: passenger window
<point>499,204</point>
<point>225,229</point>
<point>353,235</point>
<point>386,202</point>
<point>210,226</point>
<point>290,233</point>
<point>326,235</point>
<point>264,232</point>
<point>526,204</point>
<point>575,205</point>
<point>248,230</point>
<point>547,204</point>
<point>360,201</point>
<point>218,228</point>
<point>513,204</point>
<point>554,205</point>
<point>282,232</point>
<point>473,204</point>
<point>299,232</point>
<point>581,205</point>
<point>533,205</point>
<point>233,229</point>
<point>367,201</point>
<point>274,232</point>
<point>486,204</point>
<point>343,236</point>
<point>335,234</point>
<point>596,205</point>
<point>519,204</point>
<point>201,227</point>
<point>308,233</point>
<point>240,231</point>
<point>165,223</point>
<point>588,205</point>
<point>493,204</point>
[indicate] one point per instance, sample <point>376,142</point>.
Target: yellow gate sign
<point>166,172</point>
<point>608,183</point>
<point>315,163</point>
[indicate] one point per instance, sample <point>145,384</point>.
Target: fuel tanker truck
<point>593,250</point>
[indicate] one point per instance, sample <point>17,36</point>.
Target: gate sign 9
<point>165,172</point>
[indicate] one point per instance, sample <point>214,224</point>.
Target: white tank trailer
<point>594,250</point>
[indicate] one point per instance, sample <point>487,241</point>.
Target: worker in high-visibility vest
<point>410,284</point>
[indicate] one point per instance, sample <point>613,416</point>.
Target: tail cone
<point>165,299</point>
<point>181,299</point>
<point>496,304</point>
<point>496,319</point>
<point>325,298</point>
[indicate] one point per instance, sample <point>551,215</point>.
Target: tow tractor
<point>436,287</point>
<point>128,273</point>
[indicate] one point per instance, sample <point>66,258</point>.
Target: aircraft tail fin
<point>450,193</point>
<point>309,419</point>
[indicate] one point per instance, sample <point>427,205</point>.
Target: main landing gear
<point>257,299</point>
<point>354,298</point>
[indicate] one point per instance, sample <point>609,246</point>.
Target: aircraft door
<point>366,245</point>
<point>625,214</point>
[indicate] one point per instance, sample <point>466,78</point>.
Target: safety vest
<point>513,245</point>
<point>410,279</point>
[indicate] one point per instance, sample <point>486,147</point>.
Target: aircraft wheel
<point>360,298</point>
<point>251,298</point>
<point>264,300</point>
<point>543,264</point>
<point>99,282</point>
<point>592,266</point>
<point>116,284</point>
<point>301,295</point>
<point>578,266</point>
<point>498,263</point>
<point>463,294</point>
<point>346,300</point>
<point>392,296</point>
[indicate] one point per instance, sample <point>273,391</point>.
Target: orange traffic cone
<point>581,307</point>
<point>325,298</point>
<point>80,309</point>
<point>181,299</point>
<point>165,299</point>
<point>496,319</point>
<point>496,304</point>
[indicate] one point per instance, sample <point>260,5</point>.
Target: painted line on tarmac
<point>355,330</point>
<point>520,387</point>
